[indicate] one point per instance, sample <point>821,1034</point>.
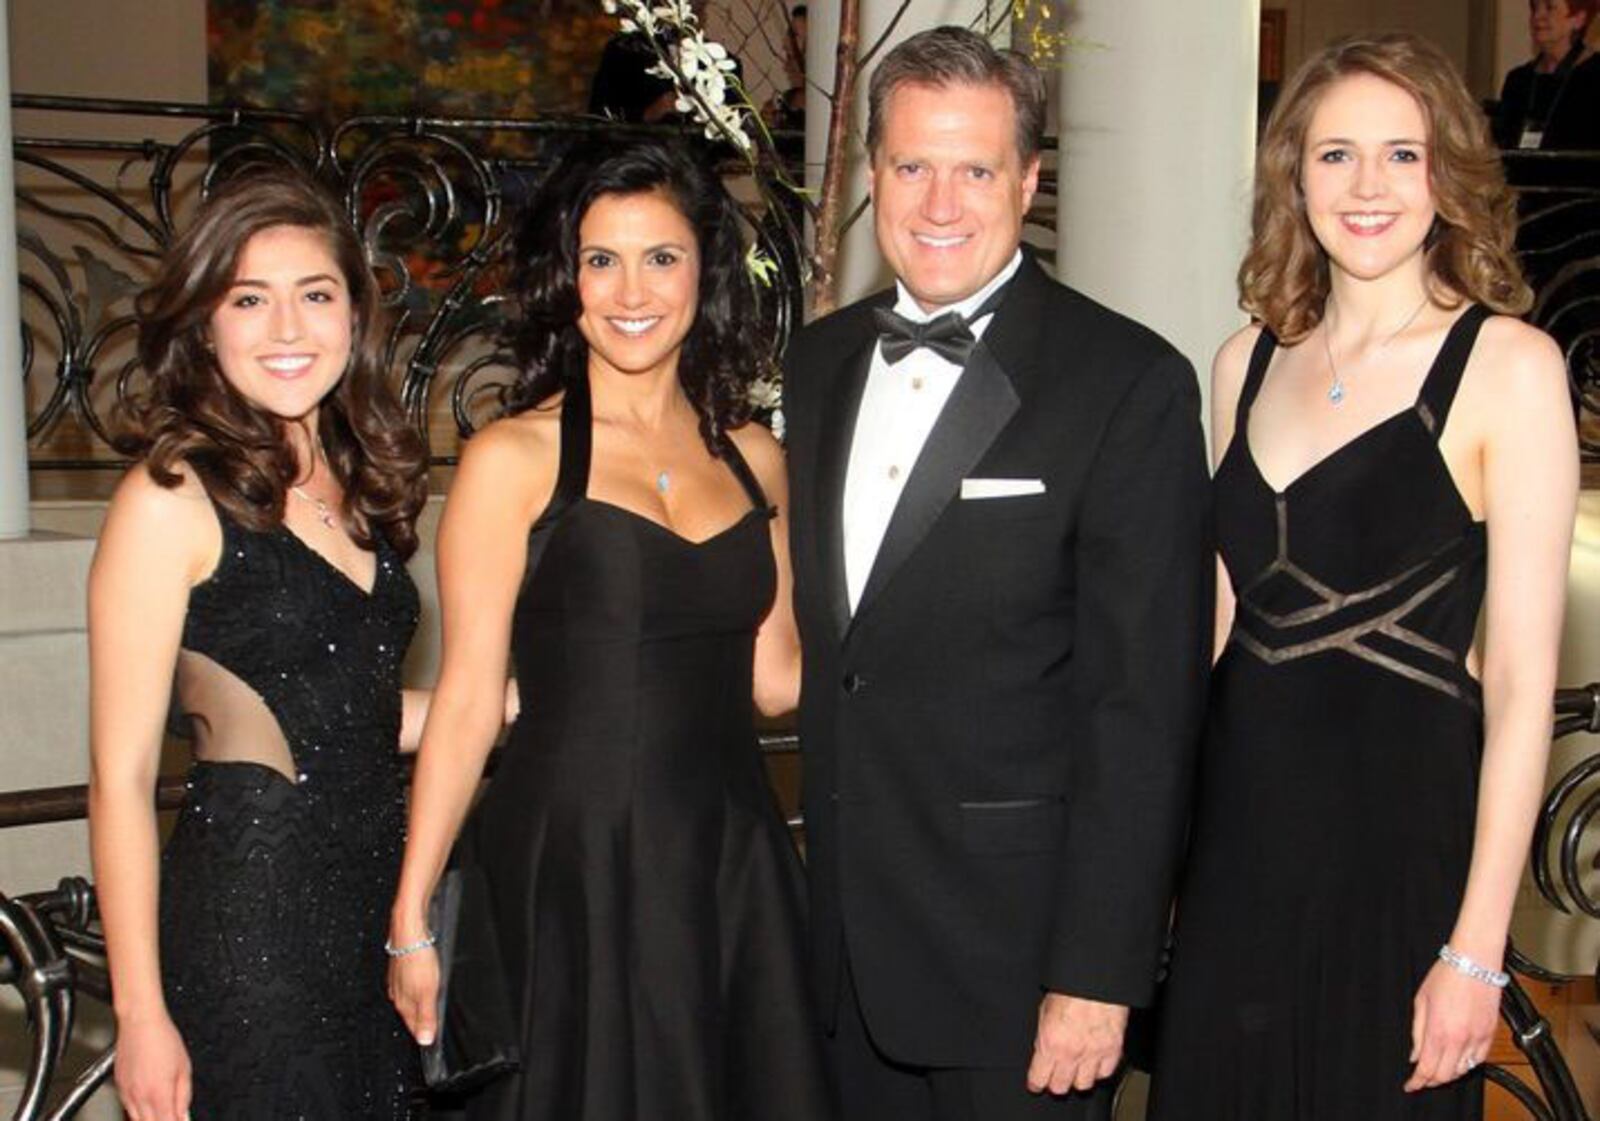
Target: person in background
<point>1552,102</point>
<point>1396,454</point>
<point>255,552</point>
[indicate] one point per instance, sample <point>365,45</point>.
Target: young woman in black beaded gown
<point>255,553</point>
<point>1395,453</point>
<point>623,534</point>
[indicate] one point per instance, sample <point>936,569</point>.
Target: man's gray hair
<point>944,56</point>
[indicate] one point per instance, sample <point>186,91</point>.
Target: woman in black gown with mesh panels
<point>622,533</point>
<point>1394,450</point>
<point>255,553</point>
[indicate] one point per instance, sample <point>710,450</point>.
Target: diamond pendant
<point>1336,391</point>
<point>663,481</point>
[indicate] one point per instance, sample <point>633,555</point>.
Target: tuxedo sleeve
<point>1142,655</point>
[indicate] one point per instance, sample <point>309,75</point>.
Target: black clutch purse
<point>476,1038</point>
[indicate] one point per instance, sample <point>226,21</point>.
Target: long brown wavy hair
<point>191,415</point>
<point>1283,281</point>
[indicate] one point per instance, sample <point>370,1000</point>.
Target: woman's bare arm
<point>155,545</point>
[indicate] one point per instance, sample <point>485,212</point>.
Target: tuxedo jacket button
<point>854,683</point>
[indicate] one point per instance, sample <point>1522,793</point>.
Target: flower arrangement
<point>700,68</point>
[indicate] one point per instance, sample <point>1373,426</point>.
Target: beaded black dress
<point>1338,788</point>
<point>277,880</point>
<point>645,891</point>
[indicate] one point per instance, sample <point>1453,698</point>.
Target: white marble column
<point>1157,153</point>
<point>13,411</point>
<point>860,268</point>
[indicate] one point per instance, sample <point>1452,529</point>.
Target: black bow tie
<point>946,335</point>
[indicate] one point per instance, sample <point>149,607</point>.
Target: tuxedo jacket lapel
<point>833,461</point>
<point>981,404</point>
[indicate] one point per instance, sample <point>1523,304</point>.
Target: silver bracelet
<point>401,951</point>
<point>1463,964</point>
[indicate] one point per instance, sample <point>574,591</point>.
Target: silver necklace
<point>1336,391</point>
<point>324,511</point>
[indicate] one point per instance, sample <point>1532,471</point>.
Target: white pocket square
<point>1000,488</point>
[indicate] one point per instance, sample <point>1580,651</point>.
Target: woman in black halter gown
<point>622,534</point>
<point>256,553</point>
<point>1393,454</point>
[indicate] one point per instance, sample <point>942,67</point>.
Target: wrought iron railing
<point>1567,811</point>
<point>52,953</point>
<point>1558,239</point>
<point>435,200</point>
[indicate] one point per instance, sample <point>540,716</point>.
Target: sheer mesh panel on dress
<point>230,721</point>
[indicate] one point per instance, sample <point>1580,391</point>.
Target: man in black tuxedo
<point>1003,582</point>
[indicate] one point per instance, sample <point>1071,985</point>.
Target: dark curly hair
<point>722,352</point>
<point>192,415</point>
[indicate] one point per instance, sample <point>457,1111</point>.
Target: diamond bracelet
<point>401,951</point>
<point>1463,964</point>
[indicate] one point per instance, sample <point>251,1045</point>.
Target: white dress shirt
<point>899,407</point>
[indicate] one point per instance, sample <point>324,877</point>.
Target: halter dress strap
<point>1438,391</point>
<point>572,472</point>
<point>741,471</point>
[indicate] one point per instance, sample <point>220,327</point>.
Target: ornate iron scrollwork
<point>51,953</point>
<point>1567,812</point>
<point>1558,240</point>
<point>435,200</point>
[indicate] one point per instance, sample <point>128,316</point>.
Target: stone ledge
<point>43,579</point>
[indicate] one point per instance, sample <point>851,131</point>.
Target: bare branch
<point>894,22</point>
<point>824,277</point>
<point>861,208</point>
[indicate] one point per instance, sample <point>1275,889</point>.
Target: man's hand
<point>1079,1043</point>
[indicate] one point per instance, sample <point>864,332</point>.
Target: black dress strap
<point>1255,374</point>
<point>1438,391</point>
<point>577,436</point>
<point>741,471</point>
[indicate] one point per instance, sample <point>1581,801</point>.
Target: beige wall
<point>1512,46</point>
<point>110,48</point>
<point>1313,22</point>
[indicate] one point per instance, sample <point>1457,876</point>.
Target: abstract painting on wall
<point>496,58</point>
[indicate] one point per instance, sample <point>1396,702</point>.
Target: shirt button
<point>916,383</point>
<point>894,472</point>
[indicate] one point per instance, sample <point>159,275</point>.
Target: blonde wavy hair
<point>1283,281</point>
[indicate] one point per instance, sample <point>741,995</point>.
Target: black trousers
<point>874,1087</point>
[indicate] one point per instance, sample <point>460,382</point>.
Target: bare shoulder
<point>1232,361</point>
<point>760,449</point>
<point>512,462</point>
<point>526,443</point>
<point>141,498</point>
<point>1515,388</point>
<point>173,526</point>
<point>765,456</point>
<point>1511,355</point>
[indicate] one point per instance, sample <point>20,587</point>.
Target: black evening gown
<point>277,880</point>
<point>1338,785</point>
<point>646,893</point>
